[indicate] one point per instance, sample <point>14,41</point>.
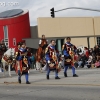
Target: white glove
<point>48,61</point>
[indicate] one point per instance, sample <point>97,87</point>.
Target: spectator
<point>29,55</point>
<point>97,52</point>
<point>82,60</point>
<point>33,61</point>
<point>86,52</point>
<point>97,64</point>
<point>93,59</point>
<point>89,62</point>
<point>91,51</point>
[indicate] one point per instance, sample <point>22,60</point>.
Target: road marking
<point>43,84</point>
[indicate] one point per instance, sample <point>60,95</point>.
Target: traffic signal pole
<point>78,8</point>
<point>53,11</point>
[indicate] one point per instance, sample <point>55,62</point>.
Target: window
<point>59,44</point>
<point>98,40</point>
<point>14,41</point>
<point>6,41</point>
<point>5,32</point>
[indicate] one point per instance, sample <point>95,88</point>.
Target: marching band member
<point>51,59</point>
<point>25,68</point>
<point>69,52</point>
<point>22,51</point>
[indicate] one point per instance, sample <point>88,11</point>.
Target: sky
<point>41,8</point>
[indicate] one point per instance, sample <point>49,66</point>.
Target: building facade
<point>14,26</point>
<point>83,30</point>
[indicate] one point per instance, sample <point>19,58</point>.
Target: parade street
<point>84,87</point>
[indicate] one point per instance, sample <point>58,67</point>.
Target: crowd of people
<point>90,58</point>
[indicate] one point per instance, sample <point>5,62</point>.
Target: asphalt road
<point>85,87</point>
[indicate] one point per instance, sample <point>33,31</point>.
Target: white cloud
<point>41,8</point>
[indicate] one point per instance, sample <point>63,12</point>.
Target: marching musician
<point>20,53</point>
<point>52,59</point>
<point>23,53</point>
<point>25,68</point>
<point>69,55</point>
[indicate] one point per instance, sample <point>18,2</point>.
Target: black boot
<point>75,75</point>
<point>28,82</point>
<point>57,77</point>
<point>19,80</point>
<point>65,74</point>
<point>47,77</point>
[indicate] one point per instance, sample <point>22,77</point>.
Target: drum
<point>67,60</point>
<point>52,64</point>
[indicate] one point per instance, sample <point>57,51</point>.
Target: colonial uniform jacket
<point>51,55</point>
<point>22,51</point>
<point>68,50</point>
<point>18,64</point>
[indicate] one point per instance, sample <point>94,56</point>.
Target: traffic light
<point>52,12</point>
